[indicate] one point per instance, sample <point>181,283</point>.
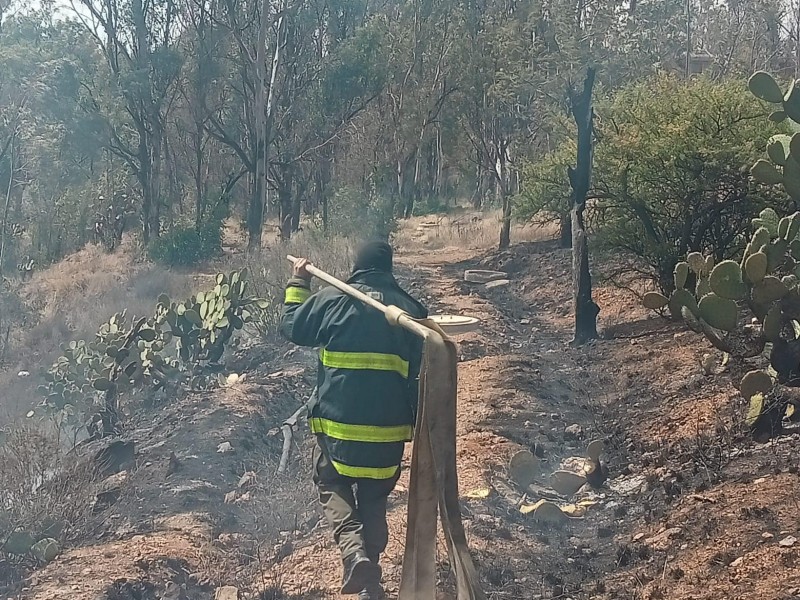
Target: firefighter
<point>365,407</point>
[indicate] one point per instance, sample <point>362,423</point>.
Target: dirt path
<point>518,386</point>
<point>692,509</point>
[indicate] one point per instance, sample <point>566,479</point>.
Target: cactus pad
<point>755,409</point>
<point>697,263</point>
<point>594,450</point>
<point>679,299</point>
<point>726,281</point>
<point>523,468</point>
<point>763,86</point>
<point>720,313</point>
<point>703,287</point>
<point>755,267</point>
<point>794,227</point>
<point>768,219</point>
<point>776,253</point>
<point>548,512</point>
<point>777,116</point>
<point>791,176</point>
<point>772,324</point>
<point>791,102</point>
<point>681,274</point>
<point>755,382</point>
<point>654,301</point>
<point>765,172</point>
<point>761,237</point>
<point>769,290</point>
<point>566,483</point>
<point>778,149</point>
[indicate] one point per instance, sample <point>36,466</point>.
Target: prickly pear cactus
<point>782,164</point>
<point>765,283</point>
<point>763,287</point>
<point>178,344</point>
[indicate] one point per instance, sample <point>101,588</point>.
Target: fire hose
<point>433,486</point>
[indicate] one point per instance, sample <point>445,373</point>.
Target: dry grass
<point>92,284</point>
<point>270,270</point>
<point>469,229</point>
<point>41,494</point>
<point>72,298</point>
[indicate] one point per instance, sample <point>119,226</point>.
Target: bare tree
<point>137,41</point>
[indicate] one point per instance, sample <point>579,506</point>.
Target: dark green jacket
<point>368,372</point>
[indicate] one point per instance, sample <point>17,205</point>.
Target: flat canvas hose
<point>434,479</point>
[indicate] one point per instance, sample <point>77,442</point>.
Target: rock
<point>767,535</point>
<point>227,593</point>
<point>574,432</point>
<point>497,284</point>
<point>24,374</point>
<point>788,541</point>
<point>224,447</point>
<point>232,379</point>
<point>230,497</point>
<point>661,540</point>
<point>481,276</point>
<point>46,550</point>
<point>627,486</point>
<point>737,562</point>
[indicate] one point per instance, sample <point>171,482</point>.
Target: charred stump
<point>586,310</point>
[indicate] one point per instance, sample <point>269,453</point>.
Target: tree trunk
<point>586,310</point>
<point>504,190</point>
<point>4,223</point>
<point>411,196</point>
<point>505,228</point>
<point>255,212</point>
<point>147,191</point>
<point>285,202</point>
<point>477,196</point>
<point>565,230</point>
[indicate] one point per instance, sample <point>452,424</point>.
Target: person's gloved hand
<point>300,269</point>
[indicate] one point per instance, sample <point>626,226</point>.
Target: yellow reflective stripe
<point>361,433</point>
<point>296,295</point>
<point>365,472</point>
<point>364,360</point>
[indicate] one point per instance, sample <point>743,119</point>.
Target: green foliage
<point>546,194</point>
<point>358,216</point>
<point>668,177</point>
<point>189,245</point>
<point>175,345</point>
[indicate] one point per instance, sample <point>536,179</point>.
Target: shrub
<point>358,216</point>
<point>188,245</point>
<point>181,343</point>
<point>670,174</point>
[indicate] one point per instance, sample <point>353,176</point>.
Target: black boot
<point>359,573</point>
<point>372,592</point>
